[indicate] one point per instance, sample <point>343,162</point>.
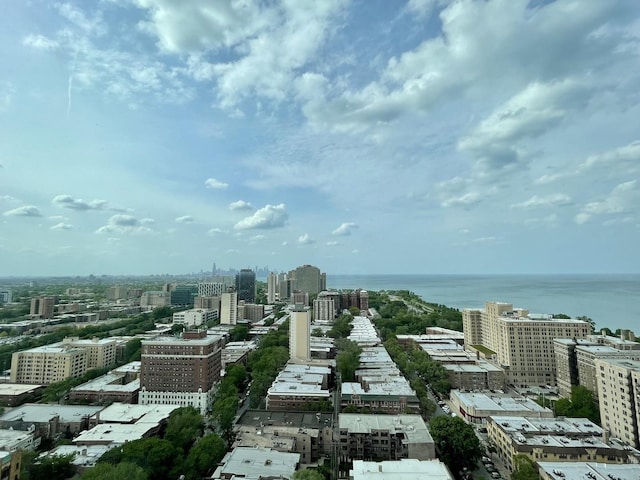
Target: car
<point>486,460</point>
<point>490,468</point>
<point>495,475</point>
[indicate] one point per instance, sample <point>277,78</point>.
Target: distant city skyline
<point>361,136</point>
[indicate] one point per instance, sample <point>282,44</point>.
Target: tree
<point>456,441</point>
<point>107,471</point>
<point>524,469</point>
<point>204,455</point>
<point>162,312</point>
<point>54,467</point>
<point>348,360</point>
<point>317,332</point>
<point>239,333</point>
<point>155,456</point>
<point>308,474</point>
<point>581,404</point>
<point>183,427</point>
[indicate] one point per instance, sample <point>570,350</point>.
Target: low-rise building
<point>309,434</point>
<point>405,469</point>
<point>256,464</point>
<point>49,419</point>
<point>12,394</point>
<point>195,317</point>
<point>586,471</point>
<point>11,440</point>
<point>556,440</point>
<point>383,437</point>
<point>477,407</point>
<point>108,388</point>
<point>296,386</point>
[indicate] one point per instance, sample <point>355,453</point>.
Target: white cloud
<point>40,42</point>
<point>628,156</point>
<point>498,141</point>
<point>25,211</point>
<point>185,219</point>
<point>124,224</point>
<point>215,184</point>
<point>465,200</point>
<point>333,244</point>
<point>8,199</point>
<point>257,238</point>
<point>553,200</point>
<point>240,205</point>
<point>92,26</point>
<point>67,201</point>
<point>553,177</point>
<point>345,229</point>
<point>305,239</point>
<point>623,199</point>
<point>270,216</point>
<point>61,226</point>
<point>215,232</point>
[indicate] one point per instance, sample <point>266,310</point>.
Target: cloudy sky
<point>370,136</point>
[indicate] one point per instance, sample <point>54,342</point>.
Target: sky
<point>362,136</point>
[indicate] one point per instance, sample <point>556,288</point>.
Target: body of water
<point>611,300</point>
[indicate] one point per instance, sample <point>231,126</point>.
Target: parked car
<point>495,475</point>
<point>486,460</point>
<point>490,468</point>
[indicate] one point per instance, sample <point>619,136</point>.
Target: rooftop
<point>497,402</point>
<point>405,469</point>
<point>44,412</point>
<point>254,463</point>
<point>413,426</point>
<point>589,471</point>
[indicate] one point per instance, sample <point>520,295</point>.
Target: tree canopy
<point>581,404</point>
<point>108,471</point>
<point>456,442</point>
<point>524,469</point>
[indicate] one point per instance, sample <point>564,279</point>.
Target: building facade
<point>619,397</point>
<point>246,285</point>
<point>181,371</point>
<point>324,309</point>
<point>300,333</point>
<point>229,308</point>
<point>519,342</point>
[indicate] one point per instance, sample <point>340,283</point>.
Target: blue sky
<point>426,136</point>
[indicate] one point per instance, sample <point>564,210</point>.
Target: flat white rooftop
<point>44,412</point>
<point>590,471</point>
<point>494,402</point>
<point>113,434</point>
<point>16,388</point>
<point>127,413</point>
<point>254,463</point>
<point>406,469</point>
<point>412,426</point>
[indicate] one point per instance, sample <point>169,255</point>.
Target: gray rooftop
<point>44,412</point>
<point>255,463</point>
<point>412,426</point>
<point>405,469</point>
<point>589,471</point>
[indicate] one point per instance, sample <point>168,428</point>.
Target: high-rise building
<point>285,289</point>
<point>300,333</point>
<point>299,297</point>
<point>42,307</point>
<point>229,308</point>
<point>272,288</point>
<point>619,395</point>
<point>210,303</point>
<point>183,295</point>
<point>324,309</point>
<point>181,371</point>
<point>210,289</point>
<point>519,342</point>
<point>117,292</point>
<point>309,279</point>
<point>5,295</point>
<point>246,285</point>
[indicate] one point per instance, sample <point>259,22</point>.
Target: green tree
<point>239,333</point>
<point>107,471</point>
<point>308,474</point>
<point>184,426</point>
<point>162,312</point>
<point>581,404</point>
<point>54,467</point>
<point>524,469</point>
<point>317,332</point>
<point>132,350</point>
<point>157,457</point>
<point>204,456</point>
<point>348,360</point>
<point>456,441</point>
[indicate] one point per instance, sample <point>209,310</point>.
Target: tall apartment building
<point>42,307</point>
<point>183,295</point>
<point>519,342</point>
<point>229,308</point>
<point>181,371</point>
<point>309,279</point>
<point>117,292</point>
<point>272,288</point>
<point>619,398</point>
<point>285,289</point>
<point>298,297</point>
<point>254,312</point>
<point>210,289</point>
<point>324,309</point>
<point>575,359</point>
<point>48,364</point>
<point>153,299</point>
<point>300,333</point>
<point>209,303</point>
<point>246,285</point>
<point>6,296</point>
<point>70,358</point>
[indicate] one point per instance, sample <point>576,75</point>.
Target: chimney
<point>605,435</point>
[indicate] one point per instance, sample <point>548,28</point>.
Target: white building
<point>229,308</point>
<point>272,288</point>
<point>405,469</point>
<point>195,317</point>
<point>300,333</point>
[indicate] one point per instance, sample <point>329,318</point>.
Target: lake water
<point>611,300</point>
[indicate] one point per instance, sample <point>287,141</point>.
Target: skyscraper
<point>246,285</point>
<point>229,308</point>
<point>272,287</point>
<point>309,279</point>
